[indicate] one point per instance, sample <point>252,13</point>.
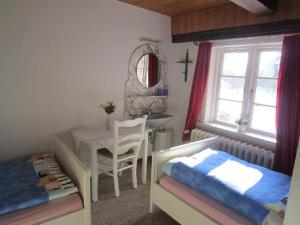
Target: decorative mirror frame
<point>139,98</point>
<point>133,85</point>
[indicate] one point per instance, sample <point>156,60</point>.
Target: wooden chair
<point>126,148</point>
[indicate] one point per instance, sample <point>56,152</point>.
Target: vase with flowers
<point>241,125</point>
<point>109,107</point>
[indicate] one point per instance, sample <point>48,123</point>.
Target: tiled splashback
<point>139,105</point>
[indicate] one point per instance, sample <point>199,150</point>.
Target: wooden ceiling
<point>174,7</point>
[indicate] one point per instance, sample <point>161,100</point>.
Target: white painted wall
<point>292,214</point>
<point>59,58</point>
<point>179,90</point>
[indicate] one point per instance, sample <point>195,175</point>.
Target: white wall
<point>179,90</point>
<point>292,214</point>
<point>59,58</point>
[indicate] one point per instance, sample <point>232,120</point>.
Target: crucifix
<point>186,62</point>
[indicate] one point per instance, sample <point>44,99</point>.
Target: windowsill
<point>253,138</point>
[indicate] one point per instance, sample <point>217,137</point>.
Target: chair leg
<point>116,181</point>
<point>121,165</point>
<point>134,177</point>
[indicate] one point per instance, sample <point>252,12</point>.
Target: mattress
<point>204,204</point>
<point>44,212</point>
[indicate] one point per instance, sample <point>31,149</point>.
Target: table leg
<point>145,158</point>
<point>94,168</point>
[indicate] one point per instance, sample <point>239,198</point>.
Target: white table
<point>98,137</point>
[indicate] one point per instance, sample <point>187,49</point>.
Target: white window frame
<point>254,78</point>
<point>251,76</point>
<point>218,76</point>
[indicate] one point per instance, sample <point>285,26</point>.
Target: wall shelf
<point>151,96</point>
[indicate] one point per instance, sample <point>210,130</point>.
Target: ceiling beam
<point>258,7</point>
<point>280,27</point>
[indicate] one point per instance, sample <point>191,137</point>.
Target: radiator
<point>254,154</point>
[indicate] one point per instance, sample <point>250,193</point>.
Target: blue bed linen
<point>209,172</point>
<point>19,186</point>
<point>12,174</point>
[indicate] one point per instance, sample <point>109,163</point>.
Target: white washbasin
<point>157,120</point>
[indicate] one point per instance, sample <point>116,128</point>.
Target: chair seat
<point>107,154</point>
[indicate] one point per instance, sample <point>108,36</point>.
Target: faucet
<point>147,109</point>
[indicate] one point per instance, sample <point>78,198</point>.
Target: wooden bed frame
<point>183,212</point>
<point>161,198</point>
<point>80,175</point>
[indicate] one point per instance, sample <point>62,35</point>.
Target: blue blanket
<point>19,186</point>
<point>28,182</point>
<point>242,186</point>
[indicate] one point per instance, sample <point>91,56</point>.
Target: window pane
<point>229,111</point>
<point>266,91</point>
<point>269,64</point>
<point>235,64</point>
<point>263,118</point>
<point>232,88</point>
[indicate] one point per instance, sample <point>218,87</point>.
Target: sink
<point>157,120</point>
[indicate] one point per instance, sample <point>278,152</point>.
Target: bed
<point>73,209</point>
<point>187,206</point>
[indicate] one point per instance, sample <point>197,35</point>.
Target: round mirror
<point>148,70</point>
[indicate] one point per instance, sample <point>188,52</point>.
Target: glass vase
<point>108,122</point>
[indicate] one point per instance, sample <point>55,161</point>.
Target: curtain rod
<point>197,43</point>
<point>267,38</point>
<point>150,40</point>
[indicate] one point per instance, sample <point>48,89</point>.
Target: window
<point>246,86</point>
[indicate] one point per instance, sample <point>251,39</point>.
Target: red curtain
<point>288,105</point>
<point>198,88</point>
<point>152,70</point>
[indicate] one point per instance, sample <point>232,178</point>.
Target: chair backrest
<point>128,135</point>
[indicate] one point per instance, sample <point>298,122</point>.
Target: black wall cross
<point>186,62</point>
